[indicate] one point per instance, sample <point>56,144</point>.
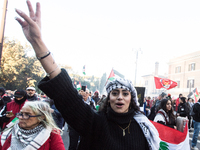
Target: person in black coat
<point>183,109</point>
<point>119,126</point>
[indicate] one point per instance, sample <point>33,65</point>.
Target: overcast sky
<point>107,33</point>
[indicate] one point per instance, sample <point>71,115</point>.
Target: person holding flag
<point>165,114</point>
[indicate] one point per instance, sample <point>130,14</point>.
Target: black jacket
<point>99,130</point>
<point>196,110</point>
<point>183,110</point>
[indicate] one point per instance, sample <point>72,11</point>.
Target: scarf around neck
<point>26,139</point>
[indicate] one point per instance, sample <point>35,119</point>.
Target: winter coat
<point>54,142</point>
<point>15,108</point>
<point>163,118</point>
<point>183,110</point>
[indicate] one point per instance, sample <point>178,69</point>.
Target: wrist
<point>39,46</point>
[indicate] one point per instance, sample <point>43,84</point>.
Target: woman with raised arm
<point>119,126</point>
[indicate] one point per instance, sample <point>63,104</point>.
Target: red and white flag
<point>172,139</point>
<point>164,83</point>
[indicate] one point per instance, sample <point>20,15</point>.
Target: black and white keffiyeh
<point>149,130</point>
<point>123,84</point>
<point>26,139</point>
<point>21,138</point>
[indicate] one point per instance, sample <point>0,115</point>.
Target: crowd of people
<point>113,121</point>
<point>167,111</point>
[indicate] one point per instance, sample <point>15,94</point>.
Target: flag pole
<point>3,20</point>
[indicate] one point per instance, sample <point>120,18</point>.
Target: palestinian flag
<point>84,70</point>
<point>12,122</point>
<point>172,139</point>
<point>78,87</point>
<point>194,94</point>
<point>114,74</point>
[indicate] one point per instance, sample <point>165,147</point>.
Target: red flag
<point>164,83</point>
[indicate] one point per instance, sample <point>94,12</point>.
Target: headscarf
<point>123,84</point>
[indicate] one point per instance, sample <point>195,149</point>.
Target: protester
<point>196,124</point>
<point>178,101</point>
<point>13,107</point>
<point>101,102</point>
<point>35,129</point>
<point>183,109</point>
<point>1,107</point>
<point>96,97</point>
<point>165,114</point>
<point>57,117</point>
<point>146,106</point>
<point>174,105</point>
<point>154,109</point>
<point>189,104</point>
<point>31,94</point>
<point>120,125</point>
<point>6,99</point>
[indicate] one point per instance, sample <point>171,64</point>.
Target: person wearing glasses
<point>13,107</point>
<point>35,129</point>
<point>119,126</point>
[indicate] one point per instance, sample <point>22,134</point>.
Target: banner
<point>164,83</point>
<point>140,95</point>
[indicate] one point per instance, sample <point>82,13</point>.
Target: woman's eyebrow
<point>124,90</point>
<point>25,112</point>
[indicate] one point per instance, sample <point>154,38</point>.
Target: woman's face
<point>120,100</point>
<point>168,105</point>
<point>30,123</point>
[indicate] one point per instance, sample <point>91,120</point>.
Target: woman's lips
<point>119,105</point>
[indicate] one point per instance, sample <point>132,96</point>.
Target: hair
<point>43,108</point>
<point>132,105</point>
<point>180,95</point>
<point>163,106</point>
<point>183,99</point>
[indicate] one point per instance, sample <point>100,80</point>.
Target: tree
<point>18,70</point>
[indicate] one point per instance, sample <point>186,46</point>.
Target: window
<point>178,84</point>
<point>146,82</point>
<point>178,69</point>
<point>190,83</point>
<point>191,67</point>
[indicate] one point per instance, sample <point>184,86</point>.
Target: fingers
<point>30,8</point>
<point>38,11</point>
<point>25,17</point>
<point>38,14</point>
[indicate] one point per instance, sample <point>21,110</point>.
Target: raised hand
<point>31,25</point>
<point>32,30</point>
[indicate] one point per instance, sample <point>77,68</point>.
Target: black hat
<point>20,93</point>
<point>2,90</point>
